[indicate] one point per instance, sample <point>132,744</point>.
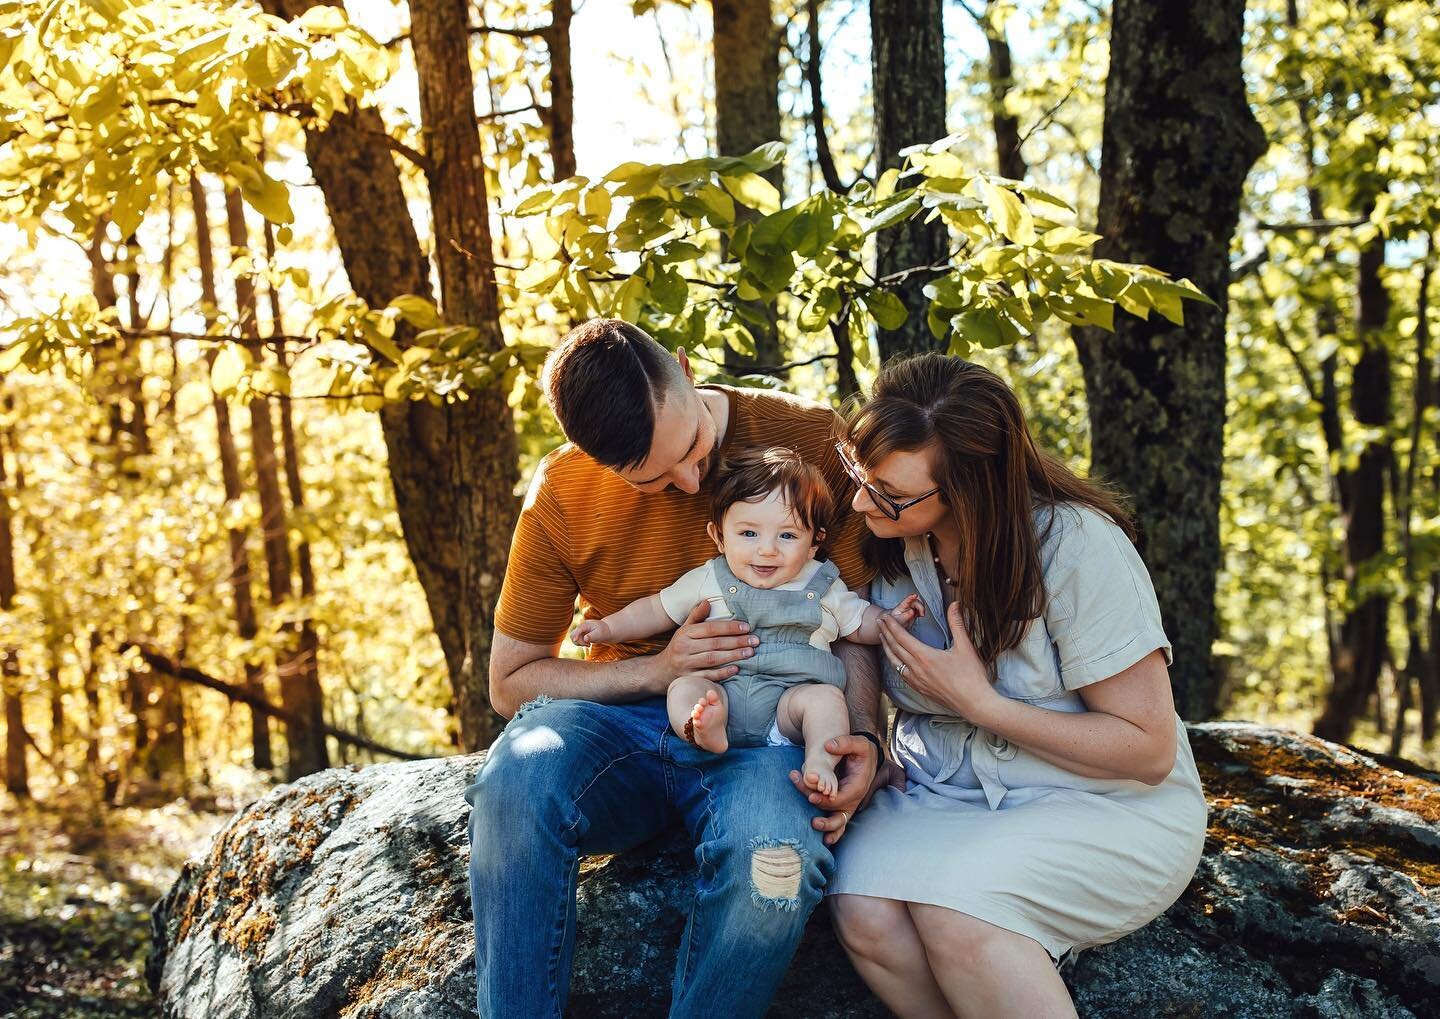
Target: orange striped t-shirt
<point>584,532</point>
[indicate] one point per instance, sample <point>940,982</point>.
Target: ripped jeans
<point>570,778</point>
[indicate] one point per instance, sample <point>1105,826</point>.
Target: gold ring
<point>845,814</point>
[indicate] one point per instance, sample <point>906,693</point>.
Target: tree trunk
<point>823,156</point>
<point>309,656</point>
<point>561,115</point>
<point>17,777</point>
<point>1002,77</point>
<point>245,625</point>
<point>908,47</point>
<point>481,517</point>
<point>306,743</point>
<point>1179,139</point>
<point>1363,631</point>
<point>746,43</point>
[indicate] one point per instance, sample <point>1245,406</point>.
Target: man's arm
<point>521,671</point>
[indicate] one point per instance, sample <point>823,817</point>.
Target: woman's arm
<point>1128,731</point>
<point>644,617</point>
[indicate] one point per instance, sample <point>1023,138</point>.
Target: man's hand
<point>857,770</point>
<point>706,649</point>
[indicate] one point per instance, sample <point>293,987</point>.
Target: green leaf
<point>753,190</point>
<point>537,201</point>
<point>629,299</point>
<point>888,309</point>
<point>897,212</point>
<point>818,311</point>
<point>885,186</point>
<point>719,207</point>
<point>1010,214</point>
<point>670,291</point>
<point>979,326</point>
<point>763,157</point>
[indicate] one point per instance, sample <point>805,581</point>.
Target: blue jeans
<point>570,778</point>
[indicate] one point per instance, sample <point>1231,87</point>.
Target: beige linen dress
<point>989,829</point>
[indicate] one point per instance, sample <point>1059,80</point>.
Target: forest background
<point>269,343</point>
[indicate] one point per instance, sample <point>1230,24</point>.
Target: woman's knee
<point>965,941</point>
<point>866,924</point>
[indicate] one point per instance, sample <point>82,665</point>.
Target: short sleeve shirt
<point>585,534</point>
<point>841,610</point>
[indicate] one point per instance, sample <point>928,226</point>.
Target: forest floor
<point>76,887</point>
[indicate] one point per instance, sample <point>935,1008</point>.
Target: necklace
<point>935,555</point>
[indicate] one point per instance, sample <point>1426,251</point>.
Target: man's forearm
<point>630,679</point>
<point>862,685</point>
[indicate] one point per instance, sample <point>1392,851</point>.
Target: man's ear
<point>684,364</point>
<point>714,533</point>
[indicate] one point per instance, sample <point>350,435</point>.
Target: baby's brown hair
<point>752,474</point>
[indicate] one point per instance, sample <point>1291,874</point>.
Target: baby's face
<point>764,542</point>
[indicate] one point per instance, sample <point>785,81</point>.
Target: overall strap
<point>728,581</point>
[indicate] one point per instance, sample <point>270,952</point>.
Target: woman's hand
<point>956,678</point>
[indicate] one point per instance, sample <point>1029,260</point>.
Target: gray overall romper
<point>784,622</point>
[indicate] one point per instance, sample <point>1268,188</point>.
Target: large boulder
<point>345,894</point>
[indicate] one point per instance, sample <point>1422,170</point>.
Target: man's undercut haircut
<point>605,382</point>
<point>752,474</point>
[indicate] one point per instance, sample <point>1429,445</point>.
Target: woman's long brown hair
<point>991,474</point>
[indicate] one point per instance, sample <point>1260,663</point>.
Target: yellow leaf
<point>229,367</point>
<point>1011,216</point>
<point>754,191</point>
<point>323,20</point>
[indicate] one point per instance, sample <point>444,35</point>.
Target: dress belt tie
<point>986,753</point>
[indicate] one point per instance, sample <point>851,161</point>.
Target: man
<point>589,764</point>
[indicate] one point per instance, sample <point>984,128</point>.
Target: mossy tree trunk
<point>908,47</point>
<point>1179,139</point>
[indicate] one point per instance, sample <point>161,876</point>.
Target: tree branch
<point>823,156</point>
<point>170,667</point>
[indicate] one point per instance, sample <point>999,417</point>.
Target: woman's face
<point>902,476</point>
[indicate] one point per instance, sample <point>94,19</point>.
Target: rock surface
<point>345,894</point>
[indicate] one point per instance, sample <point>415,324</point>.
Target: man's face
<point>684,449</point>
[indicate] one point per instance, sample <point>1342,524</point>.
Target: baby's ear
<point>714,533</point>
<point>818,540</point>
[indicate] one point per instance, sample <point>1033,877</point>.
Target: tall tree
<point>1000,71</point>
<point>482,472</point>
<point>300,692</point>
<point>1179,139</point>
<point>908,53</point>
<point>17,777</point>
<point>746,43</point>
<point>242,598</point>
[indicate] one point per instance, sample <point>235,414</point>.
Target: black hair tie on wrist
<point>879,747</point>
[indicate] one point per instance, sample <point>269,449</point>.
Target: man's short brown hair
<point>752,474</point>
<point>605,382</point>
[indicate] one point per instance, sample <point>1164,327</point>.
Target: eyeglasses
<point>887,505</point>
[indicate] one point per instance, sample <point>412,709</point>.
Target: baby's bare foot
<point>820,771</point>
<point>707,724</point>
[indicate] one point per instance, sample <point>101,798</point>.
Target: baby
<point>769,512</point>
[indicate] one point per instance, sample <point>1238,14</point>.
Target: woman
<point>1042,797</point>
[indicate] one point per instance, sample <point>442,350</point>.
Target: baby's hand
<point>591,631</point>
<point>909,610</point>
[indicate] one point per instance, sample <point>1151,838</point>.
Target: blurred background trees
<point>278,279</point>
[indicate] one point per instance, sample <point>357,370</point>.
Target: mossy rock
<point>345,894</point>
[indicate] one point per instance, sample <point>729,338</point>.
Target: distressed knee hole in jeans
<point>539,701</point>
<point>776,867</point>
